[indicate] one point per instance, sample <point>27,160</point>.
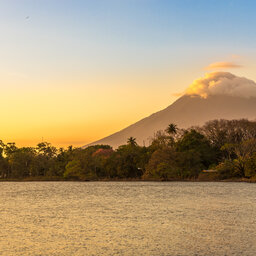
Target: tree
<point>3,162</point>
<point>239,153</point>
<point>162,165</point>
<point>171,129</point>
<point>220,132</point>
<point>193,141</point>
<point>73,170</point>
<point>9,148</point>
<point>128,161</point>
<point>250,166</point>
<point>21,162</point>
<point>160,140</point>
<point>46,149</point>
<point>131,141</point>
<point>226,169</point>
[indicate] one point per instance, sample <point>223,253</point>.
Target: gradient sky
<point>72,72</point>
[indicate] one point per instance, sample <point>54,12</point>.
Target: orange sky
<point>78,71</point>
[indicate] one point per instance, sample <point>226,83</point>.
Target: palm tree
<point>171,129</point>
<point>132,141</point>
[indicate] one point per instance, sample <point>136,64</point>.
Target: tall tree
<point>171,129</point>
<point>131,141</point>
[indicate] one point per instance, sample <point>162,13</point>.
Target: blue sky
<point>116,34</point>
<point>105,49</point>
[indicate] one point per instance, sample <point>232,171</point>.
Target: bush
<point>226,169</point>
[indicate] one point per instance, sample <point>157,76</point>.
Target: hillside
<point>188,110</point>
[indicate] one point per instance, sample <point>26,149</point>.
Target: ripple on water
<point>127,218</point>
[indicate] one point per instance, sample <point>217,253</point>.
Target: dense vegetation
<point>227,147</point>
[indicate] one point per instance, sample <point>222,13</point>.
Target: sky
<point>72,72</point>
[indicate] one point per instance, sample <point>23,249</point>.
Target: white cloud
<point>224,83</point>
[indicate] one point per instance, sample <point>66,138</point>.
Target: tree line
<point>227,147</point>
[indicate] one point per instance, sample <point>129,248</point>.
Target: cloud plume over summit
<point>222,83</point>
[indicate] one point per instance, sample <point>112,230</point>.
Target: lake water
<point>127,218</point>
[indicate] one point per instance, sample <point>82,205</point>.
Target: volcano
<point>193,109</point>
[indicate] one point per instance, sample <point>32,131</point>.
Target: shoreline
<point>124,180</point>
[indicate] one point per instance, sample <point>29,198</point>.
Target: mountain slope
<point>185,112</point>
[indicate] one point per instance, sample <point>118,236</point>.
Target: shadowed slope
<point>185,112</point>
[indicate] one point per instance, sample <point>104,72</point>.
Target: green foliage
<point>130,161</point>
<point>227,170</point>
<point>73,170</point>
<point>166,171</point>
<point>190,163</point>
<point>229,147</point>
<point>159,141</point>
<point>250,166</point>
<point>21,162</point>
<point>195,144</point>
<point>45,148</point>
<point>161,162</point>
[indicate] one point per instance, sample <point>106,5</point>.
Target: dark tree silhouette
<point>171,129</point>
<point>132,141</point>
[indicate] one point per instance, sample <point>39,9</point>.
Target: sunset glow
<point>72,72</point>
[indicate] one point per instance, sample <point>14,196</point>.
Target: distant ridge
<point>188,110</point>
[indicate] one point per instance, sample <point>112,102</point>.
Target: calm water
<point>127,218</point>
